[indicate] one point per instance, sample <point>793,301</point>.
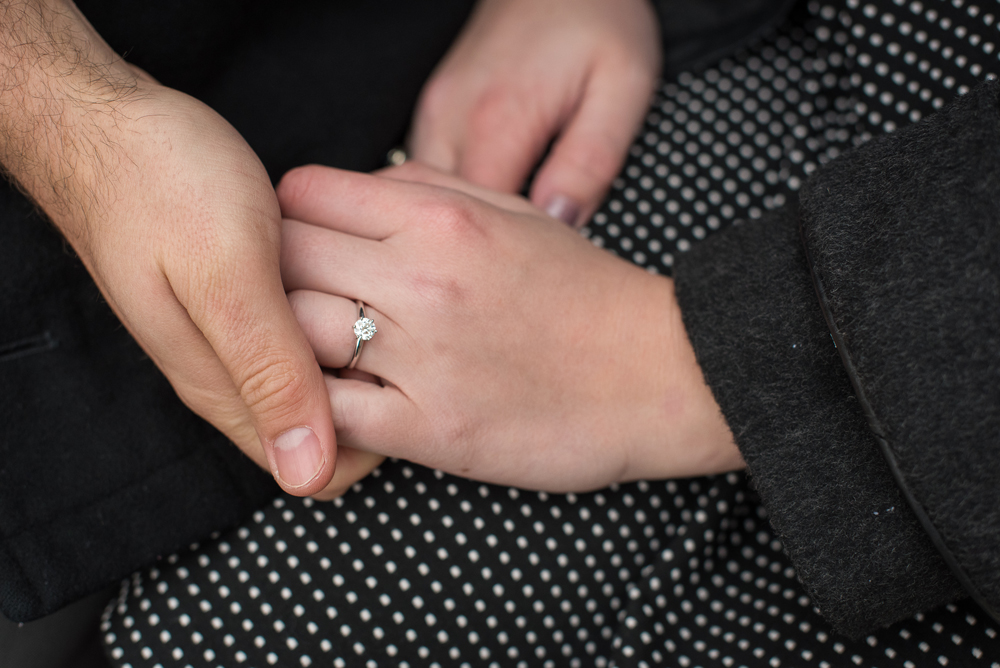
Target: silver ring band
<point>364,330</point>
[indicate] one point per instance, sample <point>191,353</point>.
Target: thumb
<point>592,148</point>
<point>242,310</point>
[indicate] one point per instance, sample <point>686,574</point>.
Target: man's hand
<point>525,73</point>
<point>176,219</point>
<point>510,350</point>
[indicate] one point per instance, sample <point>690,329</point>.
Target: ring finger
<point>328,322</point>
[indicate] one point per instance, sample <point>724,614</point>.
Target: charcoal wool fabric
<point>760,338</point>
<point>903,239</point>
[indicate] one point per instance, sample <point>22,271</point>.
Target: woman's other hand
<point>510,349</point>
<point>526,73</point>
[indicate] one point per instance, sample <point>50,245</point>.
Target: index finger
<point>360,204</point>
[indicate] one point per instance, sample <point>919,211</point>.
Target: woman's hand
<point>527,72</point>
<point>510,349</point>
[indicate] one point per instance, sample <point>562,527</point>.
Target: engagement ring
<point>364,330</point>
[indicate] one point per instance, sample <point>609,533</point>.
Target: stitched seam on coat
<point>883,443</point>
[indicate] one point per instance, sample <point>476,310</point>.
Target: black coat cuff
<point>903,238</point>
<point>759,334</point>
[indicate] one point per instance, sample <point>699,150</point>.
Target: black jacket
<point>853,343</point>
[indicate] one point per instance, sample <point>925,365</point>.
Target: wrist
<point>684,432</point>
<point>63,110</point>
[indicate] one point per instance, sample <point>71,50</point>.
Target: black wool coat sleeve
<point>853,344</point>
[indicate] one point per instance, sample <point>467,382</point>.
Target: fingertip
<point>282,386</point>
<point>302,187</point>
<point>295,422</point>
<point>564,208</point>
<point>573,180</point>
<point>299,461</point>
<point>294,183</point>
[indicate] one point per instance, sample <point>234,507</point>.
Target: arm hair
<point>63,98</point>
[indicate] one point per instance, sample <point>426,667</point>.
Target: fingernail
<point>564,209</point>
<point>297,456</point>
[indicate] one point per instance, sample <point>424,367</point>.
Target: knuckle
<point>453,218</point>
<point>455,226</point>
<point>272,389</point>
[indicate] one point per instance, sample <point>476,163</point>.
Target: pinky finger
<point>376,418</point>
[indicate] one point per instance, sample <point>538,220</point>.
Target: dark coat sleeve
<point>853,343</point>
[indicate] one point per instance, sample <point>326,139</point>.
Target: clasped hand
<point>527,74</point>
<point>175,218</point>
<point>509,348</point>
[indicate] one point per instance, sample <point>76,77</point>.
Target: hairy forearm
<point>62,105</point>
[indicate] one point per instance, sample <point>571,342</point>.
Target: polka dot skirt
<point>417,568</point>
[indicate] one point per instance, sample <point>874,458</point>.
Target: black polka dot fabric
<point>417,568</point>
<point>741,137</point>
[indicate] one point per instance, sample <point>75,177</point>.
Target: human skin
<point>509,349</point>
<point>524,73</point>
<point>177,221</point>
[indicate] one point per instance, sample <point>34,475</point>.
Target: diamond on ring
<point>364,329</point>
